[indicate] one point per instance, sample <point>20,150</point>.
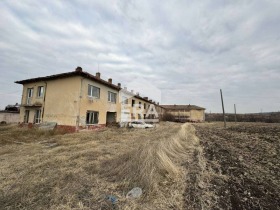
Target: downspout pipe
<point>79,106</point>
<point>43,110</point>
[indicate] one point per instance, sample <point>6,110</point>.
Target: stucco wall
<point>62,101</point>
<point>9,117</point>
<point>101,105</point>
<point>197,115</point>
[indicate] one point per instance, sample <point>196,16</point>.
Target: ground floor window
<point>92,117</point>
<point>38,116</point>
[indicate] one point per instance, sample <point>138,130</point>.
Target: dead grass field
<point>48,170</point>
<point>178,166</point>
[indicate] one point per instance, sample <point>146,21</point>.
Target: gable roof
<point>182,107</point>
<point>70,74</point>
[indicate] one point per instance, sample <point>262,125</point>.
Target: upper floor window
<point>29,92</point>
<point>140,105</point>
<point>29,95</point>
<point>144,106</point>
<point>112,97</point>
<point>40,92</point>
<point>93,91</point>
<point>124,100</point>
<point>132,103</point>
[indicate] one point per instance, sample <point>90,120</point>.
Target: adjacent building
<point>184,113</point>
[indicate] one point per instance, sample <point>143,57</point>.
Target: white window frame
<point>37,116</point>
<point>40,91</point>
<point>91,91</point>
<point>112,97</point>
<point>29,95</point>
<point>93,117</point>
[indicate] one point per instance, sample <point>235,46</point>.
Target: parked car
<point>140,124</point>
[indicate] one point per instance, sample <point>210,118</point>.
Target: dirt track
<point>249,155</point>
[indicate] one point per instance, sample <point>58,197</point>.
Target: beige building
<point>184,113</point>
<point>79,100</point>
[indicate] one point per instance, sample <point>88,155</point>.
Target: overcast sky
<point>187,49</point>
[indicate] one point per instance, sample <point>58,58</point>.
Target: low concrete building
<point>8,117</point>
<point>184,113</point>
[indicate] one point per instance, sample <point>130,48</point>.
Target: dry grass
<point>47,170</point>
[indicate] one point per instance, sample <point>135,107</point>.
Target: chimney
<point>137,93</point>
<point>110,80</point>
<point>79,69</point>
<point>119,85</point>
<point>157,103</point>
<point>151,101</point>
<point>98,75</point>
<point>146,98</point>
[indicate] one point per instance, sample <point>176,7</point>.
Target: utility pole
<point>235,113</point>
<point>223,108</point>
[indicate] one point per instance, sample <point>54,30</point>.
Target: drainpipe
<point>43,110</point>
<point>79,106</point>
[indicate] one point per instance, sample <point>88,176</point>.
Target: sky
<point>187,50</point>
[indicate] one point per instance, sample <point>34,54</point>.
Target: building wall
<point>62,101</point>
<point>101,105</point>
<point>196,115</point>
<point>34,100</point>
<point>66,102</point>
<point>9,117</point>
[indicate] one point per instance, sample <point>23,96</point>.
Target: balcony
<point>32,103</point>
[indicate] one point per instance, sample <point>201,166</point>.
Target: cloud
<point>187,49</point>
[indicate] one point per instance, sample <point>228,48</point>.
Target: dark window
<point>144,106</point>
<point>133,102</point>
<point>139,104</point>
<point>92,117</point>
<point>93,91</point>
<point>112,97</point>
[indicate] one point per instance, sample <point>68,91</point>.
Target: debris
<point>47,125</point>
<point>112,199</point>
<point>136,192</point>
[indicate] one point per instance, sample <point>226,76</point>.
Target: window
<point>124,100</point>
<point>92,117</point>
<point>139,117</point>
<point>93,91</point>
<point>38,116</point>
<point>112,97</point>
<point>132,115</point>
<point>40,92</point>
<point>29,95</point>
<point>144,106</point>
<point>132,103</point>
<point>140,105</point>
<point>26,116</point>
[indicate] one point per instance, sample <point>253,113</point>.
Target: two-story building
<point>77,99</point>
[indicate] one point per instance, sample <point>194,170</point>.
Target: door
<point>26,116</point>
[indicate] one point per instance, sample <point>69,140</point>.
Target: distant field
<point>233,168</point>
<point>248,154</point>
